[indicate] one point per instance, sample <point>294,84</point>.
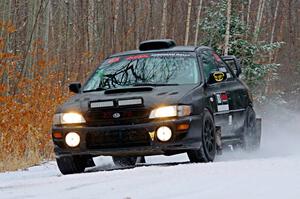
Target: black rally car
<point>160,99</point>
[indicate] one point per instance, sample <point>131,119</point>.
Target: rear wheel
<point>72,164</point>
<point>124,161</point>
<point>251,135</point>
<point>207,150</point>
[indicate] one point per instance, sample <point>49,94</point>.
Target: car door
<point>227,97</point>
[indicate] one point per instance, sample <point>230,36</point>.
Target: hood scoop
<point>126,90</point>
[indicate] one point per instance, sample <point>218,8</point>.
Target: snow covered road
<point>253,176</point>
<point>271,173</point>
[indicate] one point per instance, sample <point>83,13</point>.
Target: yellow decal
<point>152,134</point>
<point>219,76</point>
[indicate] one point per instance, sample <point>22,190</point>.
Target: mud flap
<point>259,128</point>
<point>219,140</point>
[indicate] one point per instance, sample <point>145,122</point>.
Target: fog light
<point>72,139</point>
<point>164,133</point>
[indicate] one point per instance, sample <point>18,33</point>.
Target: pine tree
<point>253,54</point>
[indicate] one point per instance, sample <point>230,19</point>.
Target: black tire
<point>124,161</point>
<point>141,160</point>
<point>71,164</point>
<point>251,135</point>
<point>207,150</point>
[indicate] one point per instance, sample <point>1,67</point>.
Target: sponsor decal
<point>114,60</point>
<point>224,107</point>
<point>219,76</point>
<point>102,104</point>
<point>222,101</point>
<point>170,55</point>
<point>152,135</point>
<point>130,102</point>
<point>134,57</point>
<point>223,69</point>
<point>116,115</point>
<point>228,75</point>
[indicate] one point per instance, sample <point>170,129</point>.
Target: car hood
<point>152,97</point>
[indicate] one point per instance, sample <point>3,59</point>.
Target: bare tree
<point>198,22</point>
<point>248,13</point>
<point>164,20</point>
<point>79,34</point>
<point>227,33</point>
<point>273,28</point>
<point>260,11</point>
<point>187,27</point>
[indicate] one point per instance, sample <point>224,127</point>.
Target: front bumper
<point>130,140</point>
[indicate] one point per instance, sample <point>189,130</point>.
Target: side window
<point>231,65</point>
<point>212,62</point>
<point>222,66</point>
<point>209,64</point>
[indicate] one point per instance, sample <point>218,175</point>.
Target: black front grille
<point>118,139</point>
<point>128,116</point>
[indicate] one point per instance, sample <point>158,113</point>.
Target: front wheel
<point>71,164</point>
<point>124,161</point>
<point>207,150</point>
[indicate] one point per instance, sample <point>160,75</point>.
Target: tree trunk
<point>31,38</point>
<point>273,29</point>
<point>259,18</point>
<point>243,14</point>
<point>47,23</point>
<point>227,34</point>
<point>268,78</point>
<point>261,13</point>
<point>66,65</point>
<point>198,23</point>
<point>135,24</point>
<point>248,13</point>
<point>8,19</point>
<point>187,27</point>
<point>115,23</point>
<point>164,20</point>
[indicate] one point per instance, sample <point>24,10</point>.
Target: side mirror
<point>75,87</point>
<point>233,63</point>
<point>216,77</point>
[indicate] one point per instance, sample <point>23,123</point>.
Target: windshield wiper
<point>97,89</point>
<point>154,84</point>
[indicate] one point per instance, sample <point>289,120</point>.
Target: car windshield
<point>156,69</point>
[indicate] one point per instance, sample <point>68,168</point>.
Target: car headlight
<point>171,111</point>
<point>68,118</point>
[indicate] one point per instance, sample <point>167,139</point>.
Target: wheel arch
<point>209,109</point>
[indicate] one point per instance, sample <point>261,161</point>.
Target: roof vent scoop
<point>156,44</point>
